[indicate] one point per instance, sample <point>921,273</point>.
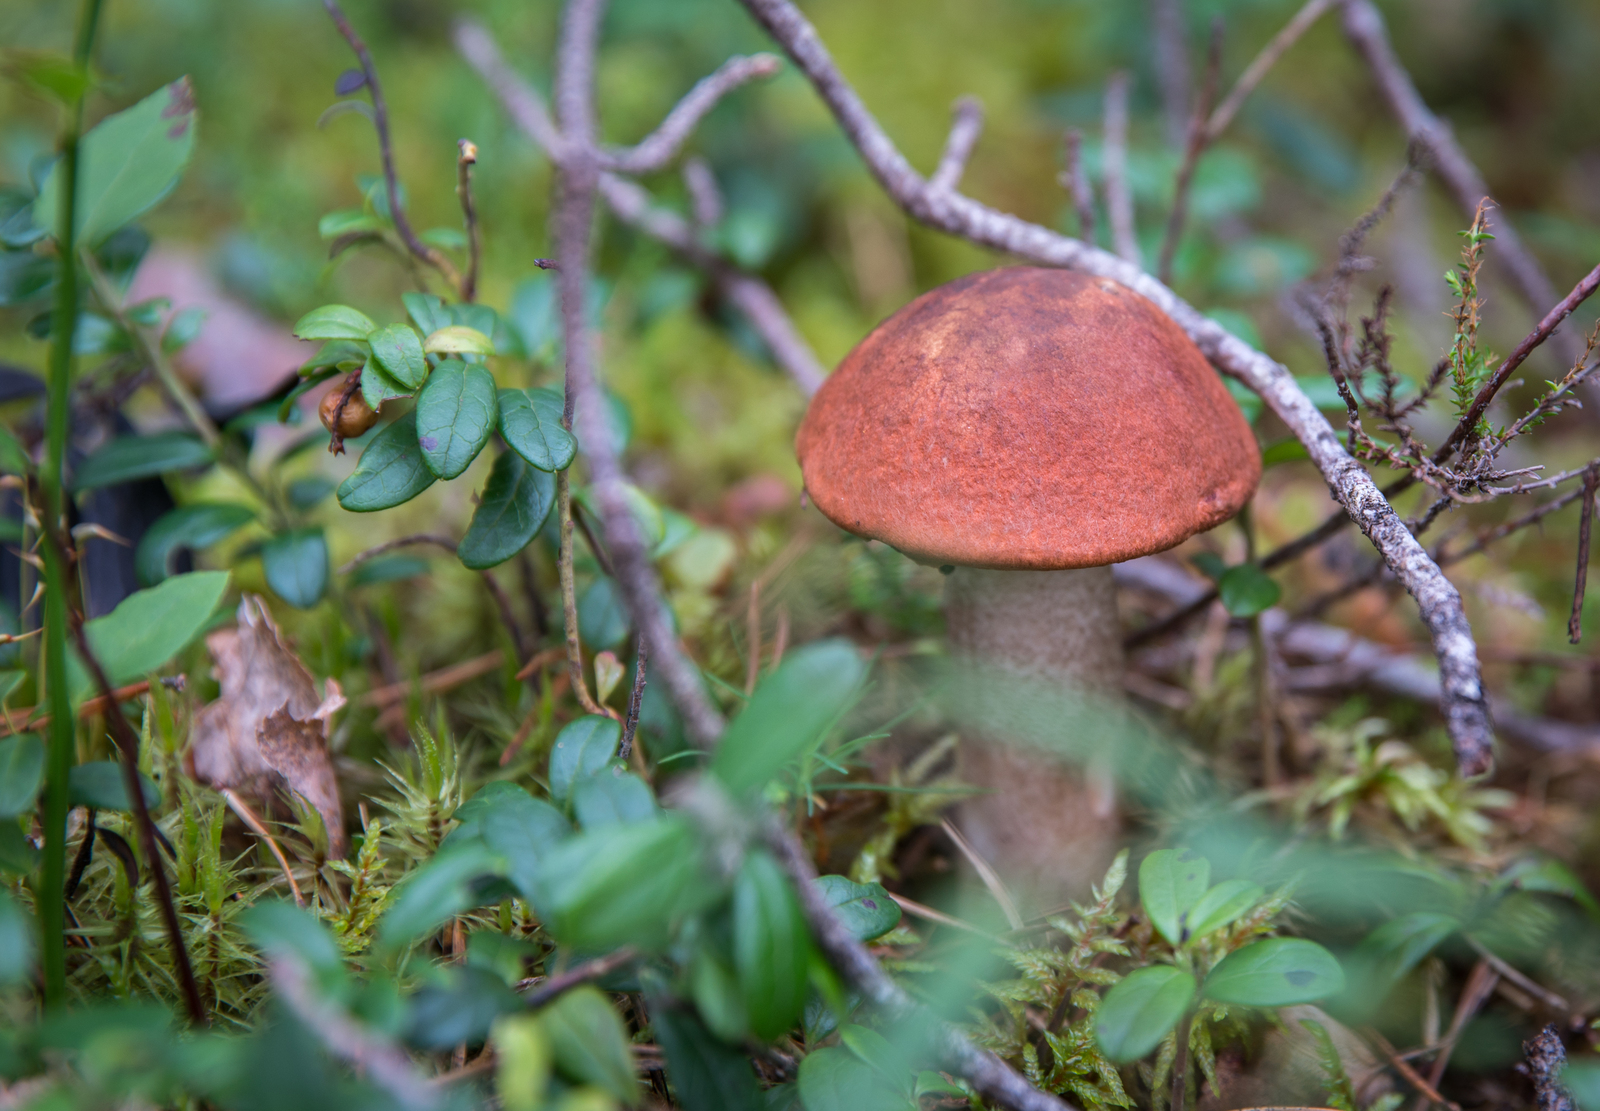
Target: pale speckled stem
<point>1041,824</point>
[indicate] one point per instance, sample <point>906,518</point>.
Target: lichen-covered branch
<point>659,147</point>
<point>965,127</point>
<point>1463,702</point>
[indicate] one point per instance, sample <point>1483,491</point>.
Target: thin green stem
<point>52,890</point>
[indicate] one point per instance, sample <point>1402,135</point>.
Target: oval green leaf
<point>611,797</point>
<point>590,1044</point>
<point>334,322</point>
<point>1396,946</point>
<point>21,774</point>
<point>99,784</point>
<point>516,500</point>
<point>399,352</point>
<point>582,748</point>
<point>296,565</point>
<point>1278,972</point>
<point>126,164</point>
<point>16,942</point>
<point>1248,590</point>
<point>456,412</point>
<point>377,387</point>
<point>1223,905</point>
<point>426,311</point>
<point>151,626</point>
<point>530,432</point>
<point>458,339</point>
<point>1171,882</point>
<point>787,714</point>
<point>391,470</point>
<point>194,526</point>
<point>771,946</point>
<point>707,1074</point>
<point>834,1079</point>
<point>133,457</point>
<point>865,909</point>
<point>1140,1010</point>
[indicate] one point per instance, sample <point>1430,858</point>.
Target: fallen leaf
<point>268,727</point>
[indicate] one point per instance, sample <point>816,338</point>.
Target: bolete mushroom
<point>1024,429</point>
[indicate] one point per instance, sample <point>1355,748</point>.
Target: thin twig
<point>1411,1075</point>
<point>662,145</point>
<point>1438,601</point>
<point>1076,182</point>
<point>1199,138</point>
<point>752,639</point>
<point>1575,622</point>
<point>259,828</point>
<point>1550,999</point>
<point>1364,26</point>
<point>435,538</point>
<point>991,879</point>
<point>1542,332</point>
<point>1169,48</point>
<point>989,1075</point>
<point>347,390</point>
<point>1480,985</point>
<point>380,122</point>
<point>383,1062</point>
<point>705,198</point>
<point>1263,62</point>
<point>89,708</point>
<point>444,679</point>
<point>465,160</point>
<point>127,742</point>
<point>576,180</point>
<point>1119,197</point>
<point>539,991</point>
<point>569,600</point>
<point>965,127</point>
<point>939,917</point>
<point>630,724</point>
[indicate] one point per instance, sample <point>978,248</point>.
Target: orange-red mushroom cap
<point>1027,418</point>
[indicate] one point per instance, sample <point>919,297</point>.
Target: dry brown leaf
<point>267,727</point>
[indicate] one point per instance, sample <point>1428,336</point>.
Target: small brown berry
<point>356,417</point>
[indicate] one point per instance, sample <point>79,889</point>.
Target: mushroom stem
<point>1053,625</point>
<point>1049,829</point>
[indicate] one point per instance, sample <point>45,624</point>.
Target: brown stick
<point>127,742</point>
<point>259,828</point>
<point>465,160</point>
<point>1076,182</point>
<point>630,725</point>
<point>1264,61</point>
<point>90,707</point>
<point>435,681</point>
<point>1199,139</point>
<point>1119,198</point>
<point>1575,622</point>
<point>542,990</point>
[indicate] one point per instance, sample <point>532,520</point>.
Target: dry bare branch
<point>1263,62</point>
<point>662,145</point>
<point>965,127</point>
<point>1076,183</point>
<point>1119,196</point>
<point>1170,50</point>
<point>1465,709</point>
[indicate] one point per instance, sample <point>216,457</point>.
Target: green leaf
<point>296,565</point>
<point>347,221</point>
<point>530,432</point>
<point>1170,883</point>
<point>151,626</point>
<point>582,748</point>
<point>1140,1010</point>
<point>834,1079</point>
<point>516,500</point>
<point>714,986</point>
<point>457,339</point>
<point>99,784</point>
<point>603,618</point>
<point>391,470</point>
<point>707,1074</point>
<point>771,946</point>
<point>1247,590</point>
<point>132,457</point>
<point>13,460</point>
<point>427,312</point>
<point>506,820</point>
<point>399,352</point>
<point>866,909</point>
<point>334,322</point>
<point>438,891</point>
<point>281,929</point>
<point>590,1043</point>
<point>194,526</point>
<point>377,386</point>
<point>388,569</point>
<point>455,415</point>
<point>1277,972</point>
<point>624,884</point>
<point>16,942</point>
<point>1581,1077</point>
<point>184,328</point>
<point>787,714</point>
<point>1552,877</point>
<point>126,164</point>
<point>1396,946</point>
<point>345,354</point>
<point>10,680</point>
<point>460,1008</point>
<point>18,857</point>
<point>1221,906</point>
<point>612,796</point>
<point>21,774</point>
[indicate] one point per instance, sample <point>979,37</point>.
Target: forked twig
<point>250,818</point>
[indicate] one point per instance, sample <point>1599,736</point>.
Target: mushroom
<point>1024,429</point>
